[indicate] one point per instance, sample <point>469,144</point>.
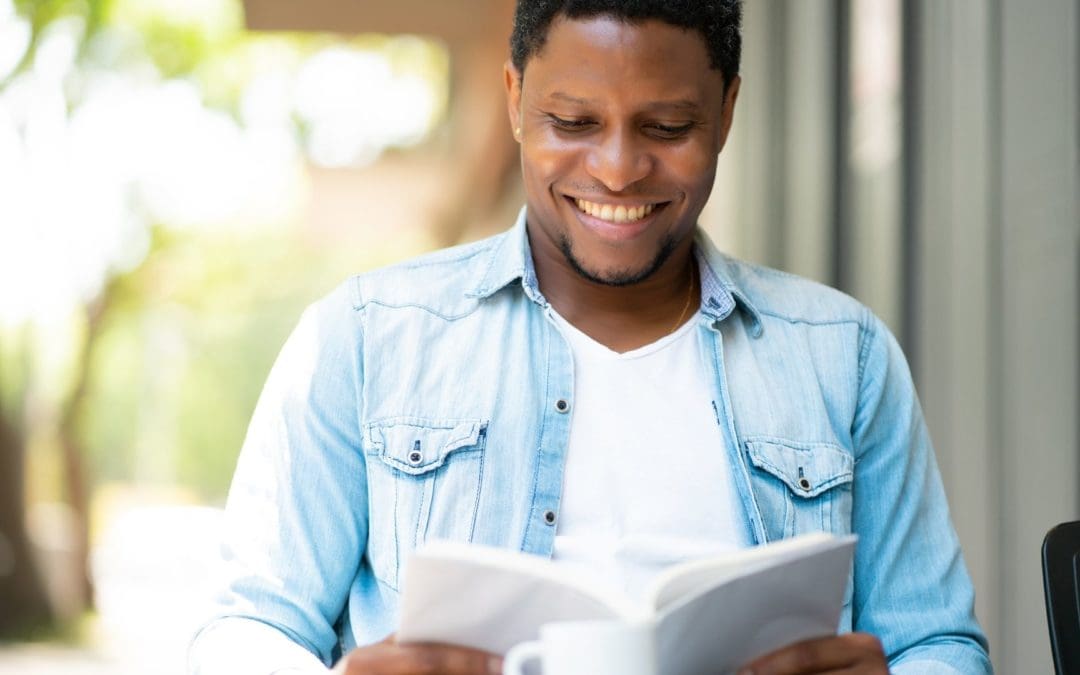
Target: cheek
<point>694,169</point>
<point>546,160</point>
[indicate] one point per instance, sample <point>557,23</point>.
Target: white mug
<point>587,648</point>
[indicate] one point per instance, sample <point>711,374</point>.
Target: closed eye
<point>656,129</point>
<point>671,131</point>
<point>570,124</point>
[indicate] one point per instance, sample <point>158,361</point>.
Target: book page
<point>674,583</point>
<point>492,599</point>
<point>781,600</point>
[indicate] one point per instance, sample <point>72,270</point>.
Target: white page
<point>679,581</point>
<point>781,602</point>
<point>493,599</point>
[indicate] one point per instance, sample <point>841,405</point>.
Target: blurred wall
<point>922,156</point>
<point>999,232</point>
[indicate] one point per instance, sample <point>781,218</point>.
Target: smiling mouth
<point>616,213</point>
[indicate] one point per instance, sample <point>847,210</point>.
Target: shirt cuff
<point>241,646</point>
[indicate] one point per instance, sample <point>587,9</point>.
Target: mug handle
<point>519,655</point>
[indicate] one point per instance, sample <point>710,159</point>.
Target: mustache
<point>598,189</point>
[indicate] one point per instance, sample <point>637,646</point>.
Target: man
<point>598,385</point>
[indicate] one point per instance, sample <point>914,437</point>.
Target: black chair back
<point>1061,583</point>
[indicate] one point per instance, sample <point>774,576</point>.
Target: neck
<point>622,318</point>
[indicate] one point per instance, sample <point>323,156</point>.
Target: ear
<point>512,80</point>
<point>727,115</point>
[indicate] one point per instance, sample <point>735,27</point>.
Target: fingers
<point>848,653</point>
<point>391,658</point>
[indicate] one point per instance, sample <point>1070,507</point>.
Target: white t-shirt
<point>647,481</point>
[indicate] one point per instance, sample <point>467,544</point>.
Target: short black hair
<point>717,21</point>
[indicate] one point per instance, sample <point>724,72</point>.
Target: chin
<point>617,275</point>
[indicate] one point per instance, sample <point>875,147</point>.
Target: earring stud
<point>517,133</point>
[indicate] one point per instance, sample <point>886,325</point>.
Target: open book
<point>708,616</point>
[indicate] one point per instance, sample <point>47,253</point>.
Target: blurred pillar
<point>1036,302</point>
<point>952,129</point>
<point>484,155</point>
<point>997,290</point>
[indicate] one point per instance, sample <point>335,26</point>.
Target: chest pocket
<point>801,487</point>
<point>424,479</point>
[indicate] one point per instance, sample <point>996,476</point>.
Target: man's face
<point>621,124</point>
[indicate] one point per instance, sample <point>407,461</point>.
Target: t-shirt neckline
<point>579,338</point>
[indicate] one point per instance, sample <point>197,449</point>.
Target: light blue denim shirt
<point>433,399</point>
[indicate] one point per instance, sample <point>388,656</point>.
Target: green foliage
<point>185,340</point>
<point>191,336</point>
<point>14,373</point>
<point>179,36</point>
<point>43,13</point>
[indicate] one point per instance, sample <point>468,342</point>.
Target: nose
<point>618,160</point>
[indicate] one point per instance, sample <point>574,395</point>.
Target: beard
<point>623,277</point>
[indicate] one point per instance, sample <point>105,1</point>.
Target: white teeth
<point>615,214</point>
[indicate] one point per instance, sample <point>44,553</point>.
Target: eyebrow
<point>680,104</point>
<point>568,98</point>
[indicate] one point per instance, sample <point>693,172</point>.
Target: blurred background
<point>179,178</point>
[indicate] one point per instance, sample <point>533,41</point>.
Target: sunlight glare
<point>14,38</point>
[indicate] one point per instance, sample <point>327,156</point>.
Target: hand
<point>850,653</point>
<point>391,658</point>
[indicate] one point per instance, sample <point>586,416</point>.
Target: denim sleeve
<point>296,517</point>
<point>911,587</point>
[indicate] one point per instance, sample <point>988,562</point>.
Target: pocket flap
<point>416,446</point>
<point>808,469</point>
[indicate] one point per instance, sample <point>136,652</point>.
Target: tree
<point>22,592</point>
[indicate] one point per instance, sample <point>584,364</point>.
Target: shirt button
<point>549,517</point>
<point>804,483</point>
<point>562,405</point>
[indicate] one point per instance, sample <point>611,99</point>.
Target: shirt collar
<point>510,260</point>
<point>720,294</point>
